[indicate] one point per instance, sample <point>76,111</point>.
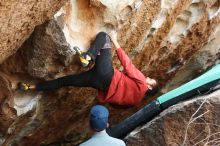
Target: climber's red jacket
<point>125,88</point>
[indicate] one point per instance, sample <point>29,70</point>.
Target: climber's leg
<point>103,67</point>
<point>102,41</point>
<point>99,77</point>
<point>78,80</point>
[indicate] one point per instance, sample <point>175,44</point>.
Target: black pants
<point>99,77</point>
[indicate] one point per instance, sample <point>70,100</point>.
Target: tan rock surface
<point>172,41</point>
<point>18,19</point>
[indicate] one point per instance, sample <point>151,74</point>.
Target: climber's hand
<point>113,36</point>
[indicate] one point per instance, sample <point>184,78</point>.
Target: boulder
<point>171,41</point>
<point>50,53</point>
<point>18,19</point>
<point>193,122</point>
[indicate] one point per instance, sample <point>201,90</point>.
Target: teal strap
<point>209,76</point>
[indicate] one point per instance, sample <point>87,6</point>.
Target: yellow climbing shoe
<point>84,62</point>
<point>23,86</point>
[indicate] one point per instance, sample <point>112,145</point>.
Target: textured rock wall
<point>18,19</point>
<point>50,51</point>
<point>172,41</point>
<point>194,122</point>
<point>200,61</point>
<point>7,112</point>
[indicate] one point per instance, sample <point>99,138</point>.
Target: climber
<point>98,123</point>
<point>114,87</point>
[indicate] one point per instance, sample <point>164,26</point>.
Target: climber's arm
<point>130,69</point>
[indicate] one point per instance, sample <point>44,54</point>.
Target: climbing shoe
<point>84,59</point>
<point>23,86</point>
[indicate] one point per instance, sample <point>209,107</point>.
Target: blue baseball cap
<point>99,117</point>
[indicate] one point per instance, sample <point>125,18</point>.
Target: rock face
<point>18,19</point>
<point>7,112</point>
<point>194,122</point>
<point>50,53</point>
<point>170,40</point>
<point>200,61</point>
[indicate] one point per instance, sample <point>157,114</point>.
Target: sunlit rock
<point>18,19</point>
<point>170,40</point>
